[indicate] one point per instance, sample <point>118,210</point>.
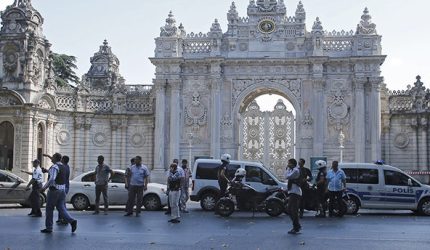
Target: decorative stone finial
<point>317,25</point>
<point>232,15</point>
<point>169,28</point>
<point>366,27</point>
<point>182,31</point>
<point>105,43</point>
<point>300,13</point>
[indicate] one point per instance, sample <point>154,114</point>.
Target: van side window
<point>395,178</point>
<point>351,175</point>
<point>231,170</point>
<point>207,171</point>
<point>253,174</point>
<point>368,176</point>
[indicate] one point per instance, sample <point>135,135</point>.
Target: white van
<point>382,186</point>
<point>205,186</point>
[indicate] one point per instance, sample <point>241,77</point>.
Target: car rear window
<point>209,171</point>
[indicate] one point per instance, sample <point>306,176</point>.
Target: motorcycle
<point>247,198</point>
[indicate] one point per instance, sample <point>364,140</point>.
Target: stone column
<point>123,130</point>
<point>88,159</point>
<point>158,173</point>
<point>375,118</point>
<point>175,109</point>
<point>319,114</point>
<point>359,120</point>
<point>423,144</point>
<point>114,144</point>
<point>216,83</point>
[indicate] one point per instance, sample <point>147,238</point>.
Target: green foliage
<point>64,69</point>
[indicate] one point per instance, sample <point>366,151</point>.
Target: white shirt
<point>38,174</point>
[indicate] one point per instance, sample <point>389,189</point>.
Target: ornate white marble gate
<point>268,136</point>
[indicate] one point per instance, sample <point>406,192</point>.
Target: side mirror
<point>409,182</point>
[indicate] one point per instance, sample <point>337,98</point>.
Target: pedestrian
<point>336,185</point>
<point>185,185</point>
<point>65,161</point>
<point>305,177</point>
<point>222,174</point>
<point>174,183</point>
<point>103,175</point>
<point>36,185</point>
<point>139,174</point>
<point>321,182</point>
<point>127,180</point>
<point>294,194</point>
<point>169,209</point>
<point>56,195</point>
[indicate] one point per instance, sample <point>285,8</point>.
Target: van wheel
<point>424,207</point>
<point>352,205</point>
<point>208,201</point>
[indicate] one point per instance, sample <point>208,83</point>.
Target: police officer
<point>222,174</point>
<point>321,182</point>
<point>36,185</point>
<point>56,194</point>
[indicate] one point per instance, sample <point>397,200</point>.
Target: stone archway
<point>270,136</point>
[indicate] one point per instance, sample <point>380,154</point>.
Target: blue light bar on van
<point>380,162</point>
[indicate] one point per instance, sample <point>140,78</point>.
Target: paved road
<point>204,230</point>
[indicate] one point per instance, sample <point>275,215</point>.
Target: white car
<point>13,190</point>
<point>82,192</point>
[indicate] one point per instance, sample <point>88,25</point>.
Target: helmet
<point>240,172</point>
<point>226,158</point>
<point>321,164</point>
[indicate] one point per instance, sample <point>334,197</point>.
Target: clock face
<point>266,26</point>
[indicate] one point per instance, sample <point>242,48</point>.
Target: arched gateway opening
<point>267,129</point>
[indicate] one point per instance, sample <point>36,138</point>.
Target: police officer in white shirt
<point>36,184</point>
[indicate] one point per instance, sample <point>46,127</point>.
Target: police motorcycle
<point>246,197</point>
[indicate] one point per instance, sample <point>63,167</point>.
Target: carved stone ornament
<point>63,137</point>
<point>137,140</point>
<point>43,104</point>
<point>401,140</point>
<point>307,119</point>
<point>266,5</point>
<point>100,136</point>
<point>9,100</point>
<point>195,112</point>
<point>338,110</point>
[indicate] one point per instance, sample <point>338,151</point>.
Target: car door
<point>398,194</point>
<point>116,189</point>
<point>12,190</point>
<point>87,186</point>
<point>370,187</point>
<point>254,178</point>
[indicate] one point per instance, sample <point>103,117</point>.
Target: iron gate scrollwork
<point>268,136</point>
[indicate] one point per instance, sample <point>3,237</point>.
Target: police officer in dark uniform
<point>56,194</point>
<point>321,183</point>
<point>222,174</point>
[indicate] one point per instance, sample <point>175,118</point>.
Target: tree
<point>64,69</point>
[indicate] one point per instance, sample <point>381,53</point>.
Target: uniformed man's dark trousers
<point>56,198</point>
<point>335,200</point>
<point>222,188</point>
<point>293,210</point>
<point>102,189</point>
<point>135,194</point>
<point>35,200</point>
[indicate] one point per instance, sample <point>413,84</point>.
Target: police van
<point>380,186</point>
<point>205,186</point>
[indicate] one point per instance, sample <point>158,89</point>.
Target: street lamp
<point>341,146</point>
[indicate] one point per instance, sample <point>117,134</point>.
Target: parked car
<point>381,186</point>
<point>82,192</point>
<point>205,186</point>
<point>13,190</point>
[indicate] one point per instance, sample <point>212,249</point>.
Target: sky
<point>79,27</point>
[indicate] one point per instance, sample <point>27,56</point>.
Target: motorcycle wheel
<point>224,207</point>
<point>274,208</point>
<point>341,211</point>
